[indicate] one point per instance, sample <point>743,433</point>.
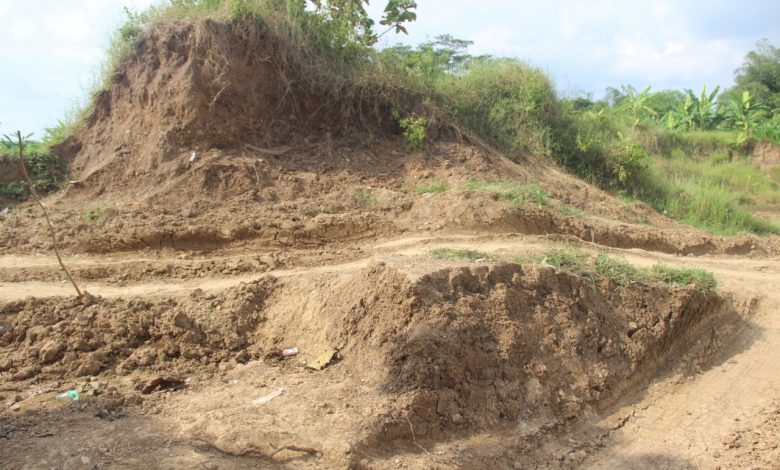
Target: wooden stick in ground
<point>52,233</point>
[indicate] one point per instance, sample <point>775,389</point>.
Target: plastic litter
<point>5,211</point>
<point>266,399</point>
<point>71,394</point>
<point>193,157</point>
<point>290,352</point>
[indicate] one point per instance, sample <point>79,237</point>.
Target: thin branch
<point>414,438</point>
<point>52,232</point>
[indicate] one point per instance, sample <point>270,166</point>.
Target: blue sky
<point>51,50</point>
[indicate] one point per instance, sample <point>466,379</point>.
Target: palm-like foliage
<point>636,104</point>
<point>745,115</point>
<point>695,112</point>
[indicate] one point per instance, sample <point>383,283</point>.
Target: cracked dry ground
<point>431,387</point>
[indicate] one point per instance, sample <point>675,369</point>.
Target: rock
<point>51,351</point>
<point>25,373</point>
<point>183,321</point>
<point>91,366</point>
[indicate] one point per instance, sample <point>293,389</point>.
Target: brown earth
<point>289,228</point>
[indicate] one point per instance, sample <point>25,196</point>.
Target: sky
<point>52,50</point>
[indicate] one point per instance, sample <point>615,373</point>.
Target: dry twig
<point>52,232</point>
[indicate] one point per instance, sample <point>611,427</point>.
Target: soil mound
<point>461,348</point>
<point>190,87</point>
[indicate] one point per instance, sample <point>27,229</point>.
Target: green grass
<point>569,259</point>
<point>514,193</point>
<point>453,254</point>
<point>697,278</point>
<point>569,211</point>
<point>97,214</point>
<point>715,199</point>
<point>428,187</point>
<point>697,144</point>
<point>619,271</point>
<point>622,273</point>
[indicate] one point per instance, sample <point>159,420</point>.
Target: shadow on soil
<point>93,434</point>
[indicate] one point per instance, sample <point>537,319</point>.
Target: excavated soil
<point>459,349</point>
<point>221,213</point>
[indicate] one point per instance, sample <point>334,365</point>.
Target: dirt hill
<point>207,138</point>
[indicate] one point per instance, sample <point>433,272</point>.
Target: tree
<point>745,116</point>
<point>759,75</point>
<point>352,15</point>
<point>695,112</point>
<point>664,101</point>
<point>636,104</point>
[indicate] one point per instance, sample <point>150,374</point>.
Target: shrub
<point>414,128</point>
<point>508,103</point>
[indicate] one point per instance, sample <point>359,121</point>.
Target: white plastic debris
<point>266,399</point>
<point>5,211</point>
<point>72,395</point>
<point>193,157</point>
<point>290,352</point>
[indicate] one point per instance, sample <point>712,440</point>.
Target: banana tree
<point>685,116</point>
<point>636,104</point>
<point>745,115</point>
<point>705,110</point>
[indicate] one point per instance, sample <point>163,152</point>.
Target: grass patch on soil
<point>435,186</point>
<point>98,214</point>
<point>455,254</point>
<point>621,272</point>
<point>569,211</point>
<point>514,193</point>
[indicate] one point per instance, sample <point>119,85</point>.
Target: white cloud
<point>684,60</point>
<point>20,30</point>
